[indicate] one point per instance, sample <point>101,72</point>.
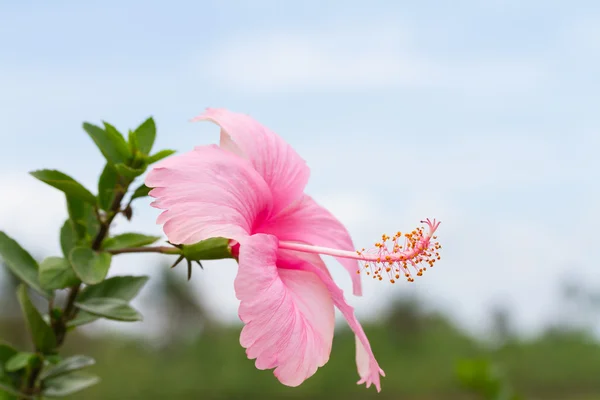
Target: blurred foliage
<point>87,248</point>
<point>480,376</point>
<point>425,357</point>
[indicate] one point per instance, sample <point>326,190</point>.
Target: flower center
<point>392,256</point>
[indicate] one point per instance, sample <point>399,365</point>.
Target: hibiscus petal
<point>367,365</point>
<point>308,222</point>
<point>206,193</point>
<point>277,162</point>
<point>288,314</point>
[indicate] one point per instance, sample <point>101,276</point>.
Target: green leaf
<point>145,135</point>
<point>20,263</point>
<point>53,358</point>
<point>89,266</point>
<point>19,361</point>
<point>128,172</point>
<point>110,308</point>
<point>66,385</point>
<point>84,217</point>
<point>76,209</point>
<point>42,335</point>
<point>106,186</point>
<point>82,318</point>
<point>68,237</point>
<point>159,156</point>
<point>65,183</point>
<point>118,287</point>
<point>142,191</point>
<point>56,273</point>
<point>110,142</point>
<point>125,240</point>
<point>134,146</point>
<point>67,365</point>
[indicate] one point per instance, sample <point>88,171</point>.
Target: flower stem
<point>158,249</point>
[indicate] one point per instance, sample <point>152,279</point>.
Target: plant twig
<point>157,249</point>
<point>70,311</point>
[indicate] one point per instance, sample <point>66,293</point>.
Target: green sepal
<point>210,249</point>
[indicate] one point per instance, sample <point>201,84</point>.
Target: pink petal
<point>206,193</point>
<point>288,314</point>
<point>307,222</point>
<point>368,367</point>
<point>277,162</point>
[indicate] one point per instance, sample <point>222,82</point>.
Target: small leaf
<point>53,358</point>
<point>67,365</point>
<point>66,385</point>
<point>160,155</point>
<point>68,237</point>
<point>42,335</point>
<point>145,135</point>
<point>125,240</point>
<point>65,184</point>
<point>19,361</point>
<point>110,308</point>
<point>56,273</point>
<point>20,263</point>
<point>89,266</point>
<point>106,187</point>
<point>118,287</point>
<point>128,172</point>
<point>110,142</point>
<point>142,191</point>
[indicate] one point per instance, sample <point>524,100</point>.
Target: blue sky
<point>483,114</point>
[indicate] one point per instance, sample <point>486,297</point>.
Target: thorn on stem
<point>178,261</point>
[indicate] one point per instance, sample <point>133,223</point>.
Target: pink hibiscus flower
<point>250,189</point>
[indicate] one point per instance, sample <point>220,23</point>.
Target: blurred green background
<point>197,358</point>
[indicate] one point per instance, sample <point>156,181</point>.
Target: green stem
<point>158,249</point>
<point>70,311</point>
